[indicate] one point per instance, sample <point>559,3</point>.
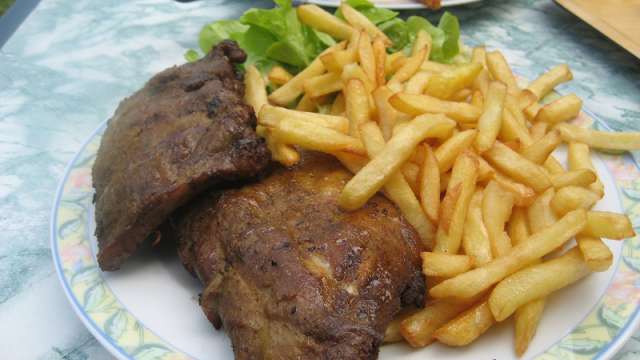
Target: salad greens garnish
<point>277,36</point>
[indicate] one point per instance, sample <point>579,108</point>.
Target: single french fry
<point>522,194</point>
<point>396,87</point>
<point>546,82</point>
<point>538,130</point>
<point>421,104</point>
<point>517,227</point>
<point>366,57</point>
<point>573,197</point>
<point>282,153</point>
<point>477,99</point>
<point>394,62</point>
<point>357,105</point>
<point>321,20</point>
<point>512,129</point>
<point>354,163</point>
<point>416,84</point>
<point>359,21</point>
<point>526,98</point>
<point>312,136</point>
<point>411,172</point>
<point>397,150</point>
<point>526,318</point>
<point>418,328</point>
<point>279,76</point>
<point>455,204</point>
<point>518,167</point>
<point>579,157</point>
<point>335,61</point>
<point>531,111</point>
<point>560,110</point>
<point>600,139</point>
<point>271,115</point>
<point>255,93</point>
<point>481,82</point>
<point>540,150</point>
<point>380,56</point>
<point>323,84</point>
<point>411,66</point>
<point>475,238</point>
<point>553,166</point>
<point>290,91</point>
<point>306,104</point>
<point>462,95</point>
<point>387,114</point>
<point>429,180</point>
<point>397,187</point>
<point>539,214</point>
<point>354,40</point>
<point>392,332</point>
<point>448,83</point>
<point>418,155</point>
<point>595,253</point>
<point>491,119</point>
<point>500,70</point>
<point>515,107</point>
<point>354,71</point>
<point>423,41</point>
<point>485,171</point>
<point>466,327</point>
<point>535,282</point>
<point>447,153</point>
<point>538,245</point>
<point>444,265</point>
<point>582,177</point>
<point>497,204</point>
<point>479,55</point>
<point>608,225</point>
<point>339,106</point>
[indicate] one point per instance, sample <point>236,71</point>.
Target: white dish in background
<point>394,4</point>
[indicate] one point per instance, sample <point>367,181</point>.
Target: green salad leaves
<point>277,36</point>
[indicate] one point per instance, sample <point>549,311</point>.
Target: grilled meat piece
<point>291,276</point>
<point>185,131</point>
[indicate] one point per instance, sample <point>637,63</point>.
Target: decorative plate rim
<point>149,340</point>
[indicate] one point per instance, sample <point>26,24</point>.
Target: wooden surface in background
<point>619,20</point>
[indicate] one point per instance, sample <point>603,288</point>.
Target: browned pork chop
<point>186,130</point>
<point>291,276</point>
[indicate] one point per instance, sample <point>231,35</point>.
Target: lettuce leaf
<point>277,36</point>
<point>268,36</point>
<point>445,36</point>
<point>213,33</point>
<point>398,31</point>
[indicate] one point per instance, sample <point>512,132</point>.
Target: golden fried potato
<point>538,245</point>
<point>535,282</point>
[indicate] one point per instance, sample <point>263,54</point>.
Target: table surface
<point>69,64</point>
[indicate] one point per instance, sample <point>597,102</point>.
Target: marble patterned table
<point>69,64</point>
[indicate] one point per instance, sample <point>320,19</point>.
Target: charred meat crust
<point>291,276</point>
<point>188,129</point>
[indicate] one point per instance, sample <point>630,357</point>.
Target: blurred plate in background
<point>394,4</point>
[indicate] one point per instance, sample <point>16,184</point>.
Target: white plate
<point>394,4</point>
<point>149,309</point>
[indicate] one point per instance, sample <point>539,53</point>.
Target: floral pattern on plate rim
<point>598,336</point>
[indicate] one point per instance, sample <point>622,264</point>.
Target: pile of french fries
<point>467,155</point>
